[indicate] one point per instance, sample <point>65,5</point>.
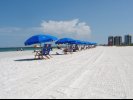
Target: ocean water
<point>16,49</point>
<point>19,49</point>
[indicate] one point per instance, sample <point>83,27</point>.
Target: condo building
<point>110,40</point>
<point>117,40</point>
<point>128,40</point>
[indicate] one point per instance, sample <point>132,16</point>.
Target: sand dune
<point>101,72</point>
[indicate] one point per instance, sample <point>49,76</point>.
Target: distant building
<point>110,40</point>
<point>128,40</point>
<point>117,40</point>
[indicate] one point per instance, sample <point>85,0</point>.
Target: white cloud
<point>72,28</point>
<point>9,29</point>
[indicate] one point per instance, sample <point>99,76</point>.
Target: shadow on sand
<point>57,54</point>
<point>33,59</point>
<point>29,59</point>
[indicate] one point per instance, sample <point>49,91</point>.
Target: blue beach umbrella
<point>88,43</point>
<point>75,42</point>
<point>82,42</point>
<point>94,43</point>
<point>39,39</point>
<point>64,41</point>
<point>51,37</point>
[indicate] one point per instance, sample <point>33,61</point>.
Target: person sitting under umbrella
<point>59,46</point>
<point>45,52</point>
<point>49,48</point>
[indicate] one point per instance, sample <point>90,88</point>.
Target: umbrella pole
<point>41,46</point>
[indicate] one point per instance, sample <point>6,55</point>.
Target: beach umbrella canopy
<point>64,41</point>
<point>39,39</point>
<point>75,42</point>
<point>82,42</point>
<point>87,43</point>
<point>51,37</point>
<point>93,43</point>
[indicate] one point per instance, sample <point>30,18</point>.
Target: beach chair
<point>75,48</point>
<point>65,51</point>
<point>37,54</point>
<point>70,50</point>
<point>46,51</point>
<point>43,53</point>
<point>49,48</point>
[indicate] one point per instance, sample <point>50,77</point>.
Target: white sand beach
<point>101,72</point>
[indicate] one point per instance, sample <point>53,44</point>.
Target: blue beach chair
<point>46,51</point>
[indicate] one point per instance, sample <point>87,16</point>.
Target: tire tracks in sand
<point>68,79</point>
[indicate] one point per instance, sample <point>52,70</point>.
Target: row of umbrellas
<point>41,38</point>
<point>72,41</point>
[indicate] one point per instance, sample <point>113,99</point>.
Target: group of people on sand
<point>74,48</point>
<point>70,49</point>
<point>44,53</point>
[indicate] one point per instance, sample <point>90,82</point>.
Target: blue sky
<point>20,19</point>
